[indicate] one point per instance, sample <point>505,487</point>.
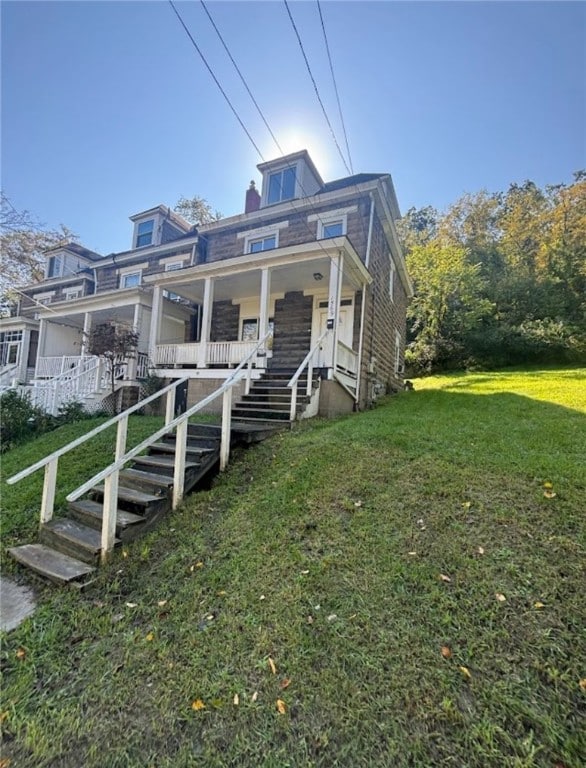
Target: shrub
<point>19,419</point>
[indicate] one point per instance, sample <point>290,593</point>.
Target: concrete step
<point>73,538</point>
<point>53,565</point>
<point>91,513</point>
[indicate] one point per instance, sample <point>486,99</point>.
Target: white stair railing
<point>76,383</point>
<point>110,475</point>
<point>307,363</point>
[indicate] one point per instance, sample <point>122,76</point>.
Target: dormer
<point>156,226</point>
<point>288,178</point>
<point>67,260</point>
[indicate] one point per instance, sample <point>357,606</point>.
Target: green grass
<point>323,549</point>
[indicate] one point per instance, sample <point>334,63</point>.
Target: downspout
<point>363,303</point>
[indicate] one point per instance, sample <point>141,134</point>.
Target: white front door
<point>345,330</point>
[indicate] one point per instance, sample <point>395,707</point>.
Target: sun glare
<point>295,139</point>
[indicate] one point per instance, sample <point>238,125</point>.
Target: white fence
<point>216,353</point>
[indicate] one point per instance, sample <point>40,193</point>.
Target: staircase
<point>70,547</point>
<point>269,400</point>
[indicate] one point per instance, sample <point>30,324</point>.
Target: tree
<point>114,344</point>
<point>23,240</point>
<point>196,210</point>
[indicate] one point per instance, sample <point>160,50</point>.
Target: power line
<point>316,88</point>
<point>335,85</point>
<point>216,81</point>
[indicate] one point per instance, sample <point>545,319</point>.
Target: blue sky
<point>107,110</point>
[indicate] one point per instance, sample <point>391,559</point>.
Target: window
<point>54,266</point>
<point>250,328</point>
<point>144,233</point>
<point>172,267</point>
<point>130,279</point>
<point>331,229</point>
<point>392,281</point>
<point>73,293</point>
<point>262,244</point>
<point>281,186</point>
<point>44,300</point>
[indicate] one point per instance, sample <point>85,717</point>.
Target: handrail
<point>295,378</point>
<point>80,440</point>
<point>121,461</point>
<point>346,347</point>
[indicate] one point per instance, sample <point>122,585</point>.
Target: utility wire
<point>316,88</point>
<point>217,82</point>
<point>321,18</point>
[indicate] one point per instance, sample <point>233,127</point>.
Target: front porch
<point>293,295</point>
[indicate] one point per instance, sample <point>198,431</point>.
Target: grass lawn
<point>402,587</point>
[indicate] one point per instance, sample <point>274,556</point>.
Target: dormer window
<point>144,233</point>
<point>55,266</point>
<point>281,186</point>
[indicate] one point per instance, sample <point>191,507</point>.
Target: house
<point>308,267</point>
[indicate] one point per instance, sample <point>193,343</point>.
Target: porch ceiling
<point>290,270</point>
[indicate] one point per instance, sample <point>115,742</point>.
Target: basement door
<point>345,329</point>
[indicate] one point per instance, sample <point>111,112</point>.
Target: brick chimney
<point>252,199</point>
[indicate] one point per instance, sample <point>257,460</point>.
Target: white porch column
<point>23,354</point>
<point>41,346</point>
<point>155,329</point>
<point>85,336</point>
<point>265,295</point>
<point>206,321</point>
<point>137,327</point>
<point>335,289</point>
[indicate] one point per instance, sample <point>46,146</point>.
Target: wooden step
<point>51,564</point>
<point>164,465</point>
<point>91,513</point>
<point>262,413</point>
<point>169,447</point>
<point>154,483</point>
<point>131,495</point>
<point>204,430</point>
<point>239,421</point>
<point>73,538</point>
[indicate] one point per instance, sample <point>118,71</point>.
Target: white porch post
<point>335,289</point>
<point>206,321</point>
<point>85,336</point>
<point>155,329</point>
<point>23,354</point>
<point>41,346</point>
<point>133,361</point>
<point>265,294</point>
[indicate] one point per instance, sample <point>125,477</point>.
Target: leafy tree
<point>196,210</point>
<point>114,344</point>
<point>23,240</point>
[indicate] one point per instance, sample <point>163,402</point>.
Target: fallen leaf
<point>222,593</point>
<point>161,603</point>
<point>332,617</point>
<point>150,637</point>
<point>236,700</point>
<point>4,762</point>
<point>281,706</point>
<point>582,683</point>
<point>443,577</point>
<point>124,553</point>
<point>357,503</point>
<point>466,672</point>
<point>538,605</point>
<point>549,494</point>
<point>305,573</point>
<point>547,484</point>
<point>254,696</point>
<point>285,683</point>
<point>197,705</point>
<point>480,550</point>
<point>500,597</point>
<point>131,605</point>
<point>199,564</point>
<point>3,716</point>
<point>210,617</point>
<point>467,504</point>
<point>262,597</point>
<point>412,553</point>
<point>21,653</point>
<point>310,619</point>
<point>446,652</point>
<point>272,666</point>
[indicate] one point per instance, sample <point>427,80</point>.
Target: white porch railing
<point>142,366</point>
<point>346,359</point>
<point>308,363</point>
<point>49,367</point>
<point>217,353</point>
<point>88,377</point>
<point>7,376</point>
<point>110,475</point>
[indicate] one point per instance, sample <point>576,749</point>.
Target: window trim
<point>138,234</point>
<point>273,230</point>
<point>124,276</point>
<point>60,257</point>
<point>77,290</point>
<point>280,170</point>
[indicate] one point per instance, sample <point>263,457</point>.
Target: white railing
<point>217,353</point>
<point>307,363</point>
<point>8,374</point>
<point>86,378</point>
<point>142,365</point>
<point>110,475</point>
<point>346,359</point>
<point>49,367</point>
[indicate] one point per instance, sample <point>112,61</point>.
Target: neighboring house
<point>304,258</point>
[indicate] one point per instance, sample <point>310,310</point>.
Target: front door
<point>345,330</point>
